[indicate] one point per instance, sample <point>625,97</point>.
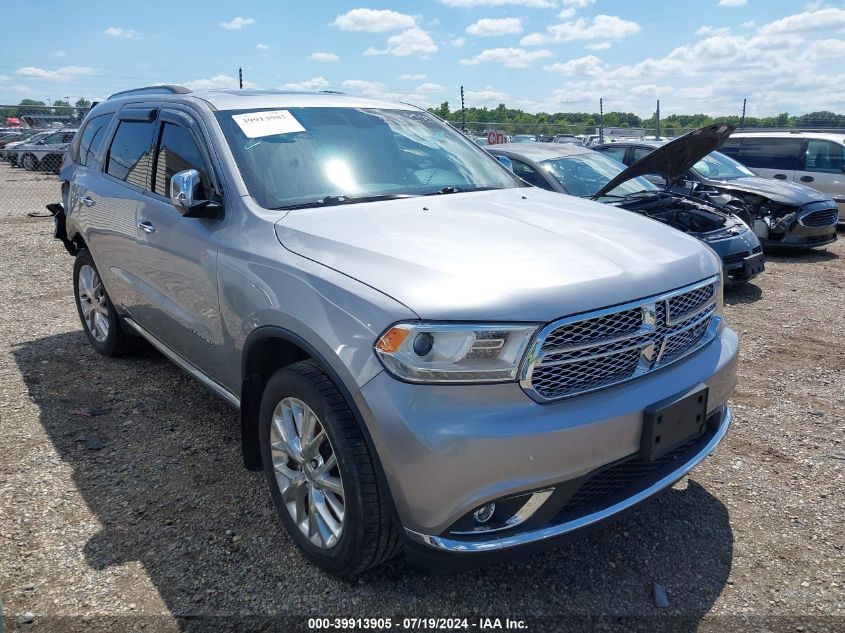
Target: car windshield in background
<point>324,156</point>
<point>585,174</point>
<point>717,166</point>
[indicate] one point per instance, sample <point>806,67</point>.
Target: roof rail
<point>152,90</point>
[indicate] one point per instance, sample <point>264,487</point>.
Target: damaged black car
<point>782,214</point>
<point>579,171</point>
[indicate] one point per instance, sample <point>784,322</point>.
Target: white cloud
<point>216,82</point>
<point>369,88</point>
<point>732,3</point>
<point>488,27</point>
<point>317,83</point>
<point>236,24</point>
<point>509,57</point>
<point>825,19</point>
<point>567,13</point>
<point>578,4</point>
<point>262,47</point>
<point>324,57</point>
<point>414,41</point>
<point>373,20</point>
<point>411,77</point>
<point>488,95</point>
<point>428,87</point>
<point>712,30</point>
<point>468,4</point>
<point>589,65</point>
<point>58,54</point>
<point>66,73</point>
<point>116,31</point>
<point>598,46</point>
<point>458,42</point>
<point>603,27</point>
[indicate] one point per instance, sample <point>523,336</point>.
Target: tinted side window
<point>177,151</point>
<point>771,153</point>
<point>91,139</point>
<point>824,157</point>
<point>641,152</point>
<point>616,153</point>
<point>530,175</point>
<point>53,138</point>
<point>129,154</point>
<point>731,148</point>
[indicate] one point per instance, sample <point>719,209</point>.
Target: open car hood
<point>676,157</point>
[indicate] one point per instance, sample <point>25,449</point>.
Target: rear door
<point>105,196</point>
<point>822,168</point>
<point>772,157</point>
<point>176,261</point>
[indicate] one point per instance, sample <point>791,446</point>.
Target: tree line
<point>545,122</point>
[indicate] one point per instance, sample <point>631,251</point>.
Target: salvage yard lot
<point>123,499</point>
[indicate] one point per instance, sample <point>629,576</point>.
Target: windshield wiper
<point>453,189</point>
<point>331,201</point>
<point>630,195</point>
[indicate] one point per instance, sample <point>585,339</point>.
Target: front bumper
<point>448,449</point>
<point>555,530</point>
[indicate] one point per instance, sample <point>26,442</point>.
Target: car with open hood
<point>783,214</point>
<point>581,172</point>
<point>425,352</point>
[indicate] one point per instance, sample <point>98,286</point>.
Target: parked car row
<point>40,150</point>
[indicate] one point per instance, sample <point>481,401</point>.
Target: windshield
<point>524,138</point>
<point>717,166</point>
<point>585,174</point>
<point>305,156</point>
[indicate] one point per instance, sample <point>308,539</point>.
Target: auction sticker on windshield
<point>258,124</point>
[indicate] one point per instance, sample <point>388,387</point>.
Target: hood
<point>779,191</point>
<point>513,255</point>
<point>676,157</point>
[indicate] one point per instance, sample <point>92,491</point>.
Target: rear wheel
<point>99,319</point>
<point>321,475</point>
<point>29,162</point>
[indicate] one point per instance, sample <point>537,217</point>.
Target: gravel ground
<point>124,506</point>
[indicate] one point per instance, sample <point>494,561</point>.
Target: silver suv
<point>426,353</point>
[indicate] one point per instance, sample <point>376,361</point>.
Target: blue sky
<point>538,55</point>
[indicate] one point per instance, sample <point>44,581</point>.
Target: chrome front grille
<point>823,217</point>
<point>592,351</point>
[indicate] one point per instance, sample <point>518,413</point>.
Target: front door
<point>176,255</point>
<point>822,169</point>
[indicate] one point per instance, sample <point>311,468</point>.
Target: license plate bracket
<point>753,265</point>
<point>672,421</point>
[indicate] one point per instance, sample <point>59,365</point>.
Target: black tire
<point>117,342</point>
<point>29,162</point>
<point>369,536</point>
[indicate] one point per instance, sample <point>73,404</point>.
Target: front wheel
<point>99,318</point>
<point>321,475</point>
<point>29,162</point>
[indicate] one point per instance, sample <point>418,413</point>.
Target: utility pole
<point>241,78</point>
<point>463,112</point>
<point>657,132</point>
<point>742,120</point>
<point>601,120</point>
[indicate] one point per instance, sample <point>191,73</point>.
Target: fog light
<point>484,513</point>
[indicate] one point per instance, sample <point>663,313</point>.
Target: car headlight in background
<point>420,351</point>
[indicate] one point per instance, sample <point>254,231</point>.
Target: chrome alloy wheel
<point>307,472</point>
<point>93,303</point>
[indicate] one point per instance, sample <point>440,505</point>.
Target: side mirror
<point>507,162</point>
<point>185,188</point>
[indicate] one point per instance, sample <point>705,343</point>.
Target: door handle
<point>146,227</point>
<point>779,176</point>
<point>87,201</point>
<point>807,179</point>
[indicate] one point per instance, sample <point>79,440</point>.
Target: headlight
<point>447,352</point>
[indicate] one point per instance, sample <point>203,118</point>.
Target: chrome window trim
<point>466,546</point>
<point>650,358</point>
